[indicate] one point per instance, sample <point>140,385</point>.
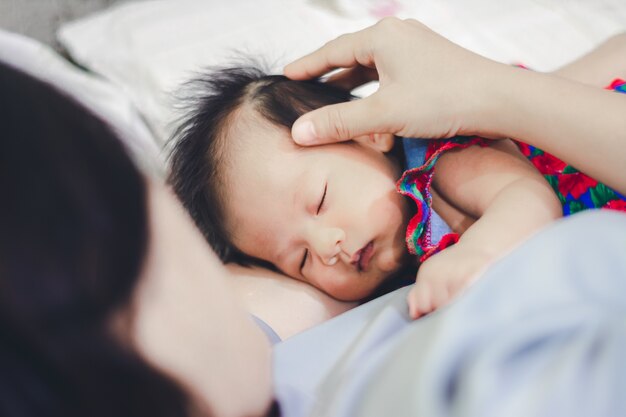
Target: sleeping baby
<point>349,217</point>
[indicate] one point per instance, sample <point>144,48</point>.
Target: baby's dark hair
<point>200,143</point>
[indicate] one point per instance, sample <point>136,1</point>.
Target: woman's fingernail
<point>304,133</point>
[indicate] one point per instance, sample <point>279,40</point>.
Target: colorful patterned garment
<point>575,190</point>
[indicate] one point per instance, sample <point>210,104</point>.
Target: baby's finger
<point>346,51</point>
<point>420,301</point>
<point>412,302</point>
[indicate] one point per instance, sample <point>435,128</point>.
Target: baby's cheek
<point>390,260</point>
<point>386,200</point>
<point>392,213</point>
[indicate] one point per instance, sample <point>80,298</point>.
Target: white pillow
<point>98,95</point>
<point>148,48</point>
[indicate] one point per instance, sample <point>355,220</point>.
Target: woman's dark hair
<point>73,236</point>
<point>200,143</point>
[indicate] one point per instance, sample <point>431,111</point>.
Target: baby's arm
<point>459,264</point>
<point>511,200</point>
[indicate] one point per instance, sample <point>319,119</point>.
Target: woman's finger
<point>346,51</point>
<point>339,122</point>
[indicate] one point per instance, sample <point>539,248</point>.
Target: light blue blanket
<point>542,333</point>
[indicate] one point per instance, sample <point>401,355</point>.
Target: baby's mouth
<point>362,257</point>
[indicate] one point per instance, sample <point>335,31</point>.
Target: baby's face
<point>327,215</point>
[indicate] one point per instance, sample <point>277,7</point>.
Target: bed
<point>126,62</point>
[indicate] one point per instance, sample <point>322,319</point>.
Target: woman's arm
<point>511,201</point>
<point>583,125</point>
<point>600,66</point>
<point>606,145</point>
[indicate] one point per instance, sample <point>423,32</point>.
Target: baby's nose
<point>327,244</point>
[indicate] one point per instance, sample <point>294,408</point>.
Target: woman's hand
<point>432,88</point>
<point>429,87</point>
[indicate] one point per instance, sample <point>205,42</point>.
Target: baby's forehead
<point>257,145</point>
<point>249,130</point>
<point>249,143</point>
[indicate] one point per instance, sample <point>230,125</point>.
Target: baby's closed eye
<point>322,199</point>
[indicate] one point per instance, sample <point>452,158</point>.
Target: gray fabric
<point>303,361</point>
<point>542,333</point>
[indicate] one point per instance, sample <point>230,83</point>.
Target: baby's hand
<point>443,276</point>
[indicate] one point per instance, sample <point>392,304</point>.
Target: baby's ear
<point>382,142</point>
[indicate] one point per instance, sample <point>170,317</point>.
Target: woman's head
<point>101,301</point>
<point>327,215</point>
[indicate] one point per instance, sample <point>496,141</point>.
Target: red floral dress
<point>575,190</point>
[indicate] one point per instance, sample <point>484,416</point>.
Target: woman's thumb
<point>338,122</point>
